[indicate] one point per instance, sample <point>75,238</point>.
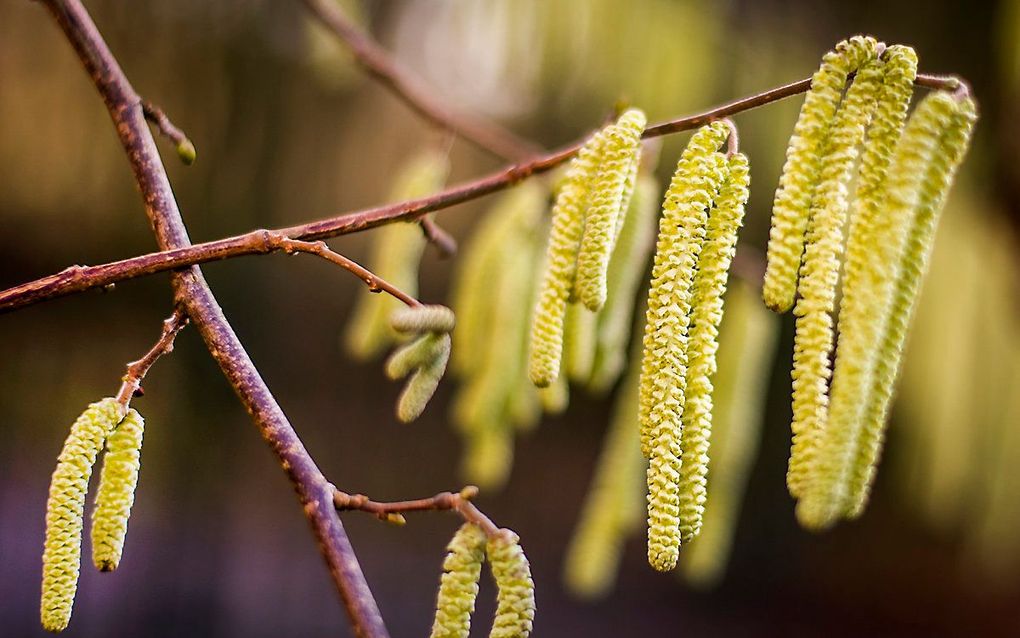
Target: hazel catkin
<point>116,492</point>
<point>515,600</point>
<point>458,586</point>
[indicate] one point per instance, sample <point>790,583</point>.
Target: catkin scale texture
<point>116,492</point>
<point>65,508</point>
<point>515,601</point>
<point>458,586</point>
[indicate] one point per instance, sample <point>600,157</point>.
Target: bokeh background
<point>288,130</point>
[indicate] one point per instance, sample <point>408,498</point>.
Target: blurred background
<point>289,130</point>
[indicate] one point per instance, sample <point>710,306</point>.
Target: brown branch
<point>81,278</point>
<point>392,512</point>
<point>484,134</point>
<point>193,294</point>
<point>136,370</point>
<point>185,149</point>
<point>442,240</point>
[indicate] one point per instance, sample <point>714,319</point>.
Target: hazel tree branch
<point>393,512</point>
<point>185,149</point>
<point>136,370</point>
<point>77,279</point>
<point>193,294</point>
<point>484,134</point>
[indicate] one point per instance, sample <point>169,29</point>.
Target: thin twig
<point>191,291</point>
<point>484,134</point>
<point>81,278</point>
<point>185,149</point>
<point>392,512</point>
<point>442,240</point>
<point>136,370</point>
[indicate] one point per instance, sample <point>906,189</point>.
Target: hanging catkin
<point>65,508</point>
<point>396,254</point>
<point>458,587</point>
<point>706,313</point>
<point>580,335</point>
<point>803,168</point>
<point>515,601</point>
<point>699,174</point>
<point>819,275</point>
<point>116,493</point>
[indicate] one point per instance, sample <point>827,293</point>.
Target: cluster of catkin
<point>424,358</point>
<point>458,587</point>
<point>904,170</point>
<point>103,422</point>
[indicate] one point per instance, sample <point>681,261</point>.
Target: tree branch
<point>185,149</point>
<point>393,512</point>
<point>136,370</point>
<point>194,295</point>
<point>484,134</point>
<point>81,278</point>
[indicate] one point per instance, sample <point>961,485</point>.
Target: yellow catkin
<point>546,348</point>
<point>819,275</point>
<point>556,397</point>
<point>423,383</point>
<point>746,347</point>
<point>64,511</point>
<point>395,257</point>
<point>515,601</point>
<point>488,456</point>
<point>458,586</point>
<point>613,506</point>
<point>913,264</point>
<point>700,172</point>
<point>875,238</point>
<point>802,171</point>
<point>580,334</point>
<point>706,314</point>
<point>626,269</point>
<point>607,207</point>
<point>116,492</point>
<point>423,318</point>
<point>416,354</point>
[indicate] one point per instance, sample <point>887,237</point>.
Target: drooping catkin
<point>803,169</point>
<point>396,254</point>
<point>458,586</point>
<point>608,204</point>
<point>416,354</point>
<point>626,270</point>
<point>747,343</point>
<point>913,265</point>
<point>515,601</point>
<point>546,348</point>
<point>706,313</point>
<point>488,455</point>
<point>700,172</point>
<point>423,318</point>
<point>580,334</point>
<point>423,383</point>
<point>819,275</point>
<point>116,493</point>
<point>613,507</point>
<point>65,508</point>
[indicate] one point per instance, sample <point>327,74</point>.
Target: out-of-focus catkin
<point>708,289</point>
<point>803,169</point>
<point>515,601</point>
<point>116,492</point>
<point>65,509</point>
<point>458,586</point>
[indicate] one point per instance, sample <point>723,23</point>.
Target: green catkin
<point>423,383</point>
<point>395,257</point>
<point>819,275</point>
<point>458,586</point>
<point>613,507</point>
<point>749,333</point>
<point>65,508</point>
<point>706,313</point>
<point>802,170</point>
<point>546,348</point>
<point>608,204</point>
<point>488,456</point>
<point>416,354</point>
<point>423,318</point>
<point>556,397</point>
<point>515,601</point>
<point>116,493</point>
<point>626,268</point>
<point>912,267</point>
<point>700,172</point>
<point>580,334</point>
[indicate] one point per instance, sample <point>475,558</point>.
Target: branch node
<point>185,149</point>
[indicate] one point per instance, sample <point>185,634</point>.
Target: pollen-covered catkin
<point>819,276</point>
<point>546,348</point>
<point>580,334</point>
<point>458,586</point>
<point>396,255</point>
<point>116,493</point>
<point>626,269</point>
<point>515,601</point>
<point>802,171</point>
<point>706,313</point>
<point>913,265</point>
<point>607,206</point>
<point>695,184</point>
<point>65,508</point>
